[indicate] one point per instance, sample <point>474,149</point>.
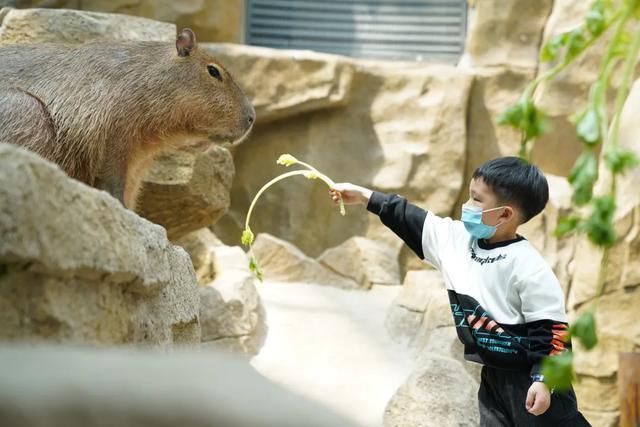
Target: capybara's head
<point>209,98</point>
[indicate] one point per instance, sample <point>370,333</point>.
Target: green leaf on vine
<point>599,225</point>
<point>255,268</point>
<point>583,176</point>
<point>619,160</point>
<point>584,329</point>
<point>576,43</point>
<point>621,48</point>
<point>588,127</point>
<point>551,49</point>
<point>567,225</point>
<point>596,22</point>
<point>558,370</point>
<point>526,117</point>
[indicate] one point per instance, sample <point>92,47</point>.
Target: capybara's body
<point>102,111</point>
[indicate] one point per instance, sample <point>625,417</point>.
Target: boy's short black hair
<point>514,180</point>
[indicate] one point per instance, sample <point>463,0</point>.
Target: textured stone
<point>185,191</point>
<point>616,310</point>
<point>212,20</point>
<point>231,313</point>
<point>617,332</point>
<point>438,393</point>
<point>403,129</point>
<point>284,84</point>
<point>71,26</point>
<point>567,93</point>
<point>365,261</point>
<point>558,252</point>
<point>84,387</point>
<point>282,261</point>
<point>198,245</point>
<point>92,272</point>
<point>421,306</point>
<point>499,35</point>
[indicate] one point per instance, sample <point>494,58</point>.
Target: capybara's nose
<point>251,115</point>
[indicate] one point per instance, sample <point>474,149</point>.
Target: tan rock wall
<point>397,129</point>
<point>212,20</point>
<point>78,267</point>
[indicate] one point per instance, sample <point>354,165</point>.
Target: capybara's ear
<point>186,42</point>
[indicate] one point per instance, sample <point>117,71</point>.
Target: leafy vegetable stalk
<point>285,160</point>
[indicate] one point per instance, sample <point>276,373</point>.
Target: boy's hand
<point>351,194</point>
<point>538,398</point>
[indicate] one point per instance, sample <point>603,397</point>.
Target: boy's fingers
<point>530,400</point>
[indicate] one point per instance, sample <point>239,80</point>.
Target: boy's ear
<point>509,214</point>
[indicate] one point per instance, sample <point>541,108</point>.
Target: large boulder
<point>213,20</point>
<point>71,26</point>
<point>76,266</point>
<point>231,312</point>
<point>365,261</point>
<point>422,296</point>
<point>282,84</point>
<point>442,387</point>
<point>437,393</point>
<point>232,316</point>
<point>506,33</point>
<point>282,261</point>
<point>186,190</point>
<point>82,387</point>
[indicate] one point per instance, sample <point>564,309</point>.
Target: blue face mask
<point>472,219</point>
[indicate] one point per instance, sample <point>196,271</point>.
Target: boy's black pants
<point>502,397</point>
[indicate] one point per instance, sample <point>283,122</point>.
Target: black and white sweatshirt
<point>507,304</point>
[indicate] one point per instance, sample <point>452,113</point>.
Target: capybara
<point>103,110</point>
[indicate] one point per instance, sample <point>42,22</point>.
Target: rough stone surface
<point>558,252</point>
<point>212,20</point>
<point>402,129</point>
<point>76,266</point>
<point>83,387</point>
<point>567,93</point>
<point>185,191</point>
<point>282,261</point>
<point>232,316</point>
<point>365,261</point>
<point>438,393</point>
<point>616,312</point>
<point>198,245</point>
<point>498,35</point>
<point>70,26</point>
<point>423,296</point>
<point>284,84</point>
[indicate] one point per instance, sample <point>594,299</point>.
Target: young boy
<point>507,303</point>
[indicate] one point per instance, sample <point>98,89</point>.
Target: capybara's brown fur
<point>103,110</point>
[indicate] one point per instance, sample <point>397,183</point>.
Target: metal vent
<point>390,29</point>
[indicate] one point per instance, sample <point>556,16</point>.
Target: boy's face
<point>481,195</point>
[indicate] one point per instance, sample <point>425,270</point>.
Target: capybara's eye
<point>213,70</point>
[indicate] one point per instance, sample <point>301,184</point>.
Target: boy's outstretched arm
<point>403,218</point>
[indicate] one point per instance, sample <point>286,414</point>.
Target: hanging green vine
<point>592,214</point>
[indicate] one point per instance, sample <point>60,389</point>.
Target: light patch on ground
<point>330,345</point>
